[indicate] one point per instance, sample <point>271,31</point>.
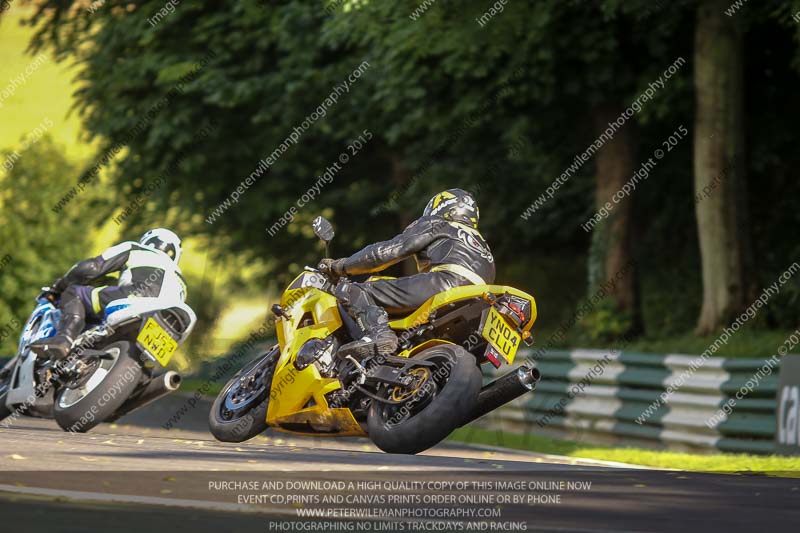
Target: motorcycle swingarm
<point>88,354</point>
<point>406,362</point>
<point>393,368</point>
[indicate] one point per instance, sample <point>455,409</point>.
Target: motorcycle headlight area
<point>313,350</point>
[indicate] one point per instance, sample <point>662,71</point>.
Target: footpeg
<point>362,372</point>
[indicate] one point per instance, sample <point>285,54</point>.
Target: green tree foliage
<point>502,109</point>
<point>40,244</point>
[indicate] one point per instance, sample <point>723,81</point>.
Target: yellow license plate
<point>157,341</point>
<point>500,335</point>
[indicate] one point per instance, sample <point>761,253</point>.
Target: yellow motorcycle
<point>405,403</point>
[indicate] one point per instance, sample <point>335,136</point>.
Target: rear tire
<point>81,408</point>
<point>239,412</point>
<point>453,397</point>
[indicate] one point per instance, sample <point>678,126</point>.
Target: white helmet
<point>163,240</point>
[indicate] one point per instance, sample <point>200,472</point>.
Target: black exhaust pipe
<point>164,384</point>
<point>504,389</point>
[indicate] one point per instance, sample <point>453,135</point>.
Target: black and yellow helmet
<point>456,205</point>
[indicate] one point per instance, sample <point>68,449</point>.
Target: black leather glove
<point>59,286</point>
<point>49,294</point>
<point>332,266</point>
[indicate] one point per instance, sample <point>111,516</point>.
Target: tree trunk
<point>719,170</point>
<point>612,257</point>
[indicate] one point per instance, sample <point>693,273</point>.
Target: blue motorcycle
<point>114,367</point>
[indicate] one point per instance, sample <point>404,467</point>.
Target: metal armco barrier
<point>613,399</point>
<point>788,407</point>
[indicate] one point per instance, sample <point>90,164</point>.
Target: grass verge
<point>190,385</point>
<point>721,462</point>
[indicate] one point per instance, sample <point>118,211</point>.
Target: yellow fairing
<point>298,396</point>
<point>421,315</point>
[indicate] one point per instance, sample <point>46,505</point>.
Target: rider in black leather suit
<point>449,252</point>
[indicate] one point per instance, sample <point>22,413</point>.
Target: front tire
<point>81,405</point>
<point>5,384</point>
<point>440,405</point>
<point>239,412</point>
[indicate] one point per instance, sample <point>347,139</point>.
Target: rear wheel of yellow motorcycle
<point>240,411</point>
<point>438,401</point>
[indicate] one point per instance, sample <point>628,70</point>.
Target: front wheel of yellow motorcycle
<point>438,398</point>
<point>239,412</point>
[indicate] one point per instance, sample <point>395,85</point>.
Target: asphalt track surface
<point>137,476</point>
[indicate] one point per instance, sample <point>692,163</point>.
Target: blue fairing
<point>44,319</point>
<point>41,324</point>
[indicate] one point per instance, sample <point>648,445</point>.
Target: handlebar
<point>331,278</point>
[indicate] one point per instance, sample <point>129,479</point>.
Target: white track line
<point>145,500</point>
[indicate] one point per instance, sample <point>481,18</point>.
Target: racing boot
<point>59,346</point>
<point>378,339</point>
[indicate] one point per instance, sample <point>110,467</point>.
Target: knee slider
<point>352,295</point>
<point>342,290</point>
<point>377,315</point>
